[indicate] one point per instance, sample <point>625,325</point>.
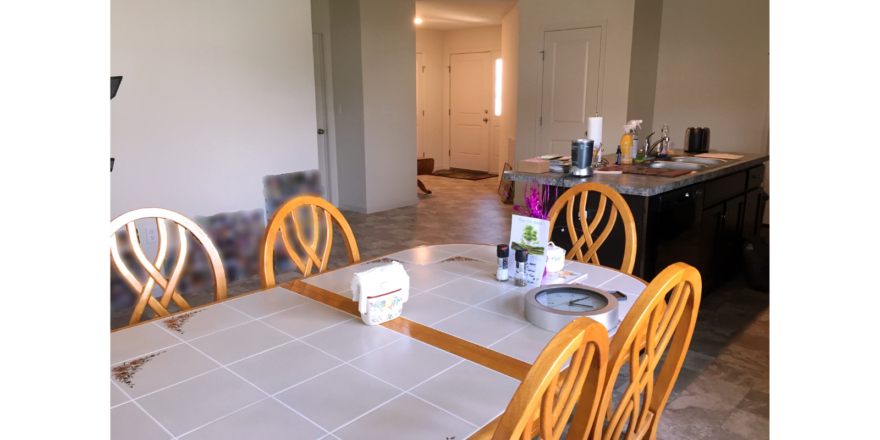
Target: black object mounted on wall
<point>114,85</point>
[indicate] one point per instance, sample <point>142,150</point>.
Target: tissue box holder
<point>383,308</point>
<point>381,293</point>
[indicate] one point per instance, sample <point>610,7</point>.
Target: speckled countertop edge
<point>641,185</point>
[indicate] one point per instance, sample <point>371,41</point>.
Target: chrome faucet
<point>650,150</point>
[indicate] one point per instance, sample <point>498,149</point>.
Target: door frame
<point>421,97</point>
<point>447,119</point>
<point>332,190</point>
<point>540,34</point>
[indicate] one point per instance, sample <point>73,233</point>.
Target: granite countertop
<point>641,185</point>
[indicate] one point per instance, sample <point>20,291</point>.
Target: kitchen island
<point>701,218</point>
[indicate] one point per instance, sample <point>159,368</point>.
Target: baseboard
<point>352,208</point>
<point>380,208</point>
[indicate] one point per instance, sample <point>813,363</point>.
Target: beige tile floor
<point>723,391</point>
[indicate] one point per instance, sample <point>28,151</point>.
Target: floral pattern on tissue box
<point>383,308</point>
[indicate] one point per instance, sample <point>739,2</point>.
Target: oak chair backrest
<point>169,285</point>
<point>652,325</point>
<point>548,395</point>
<point>618,206</point>
<point>318,209</point>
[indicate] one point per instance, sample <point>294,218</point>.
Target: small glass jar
<point>503,253</point>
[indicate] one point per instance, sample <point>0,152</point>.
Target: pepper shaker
<point>521,257</point>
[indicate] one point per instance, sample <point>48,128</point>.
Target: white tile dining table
<point>296,361</point>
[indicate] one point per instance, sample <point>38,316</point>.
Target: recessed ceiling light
<point>418,20</point>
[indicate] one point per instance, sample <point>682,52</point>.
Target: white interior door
<point>570,89</point>
<point>320,106</point>
<point>470,103</point>
<point>420,104</point>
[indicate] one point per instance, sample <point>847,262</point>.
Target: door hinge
<point>450,112</point>
<point>541,121</point>
<point>423,69</point>
<point>542,55</point>
<point>450,153</point>
<point>423,113</point>
<point>450,68</point>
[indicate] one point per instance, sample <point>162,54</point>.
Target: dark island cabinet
<point>703,225</point>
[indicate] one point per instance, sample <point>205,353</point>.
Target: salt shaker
<point>521,257</point>
<point>503,252</point>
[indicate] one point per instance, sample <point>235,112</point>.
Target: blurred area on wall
<point>236,236</point>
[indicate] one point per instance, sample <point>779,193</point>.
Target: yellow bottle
<point>626,144</point>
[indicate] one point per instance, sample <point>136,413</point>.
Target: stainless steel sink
<point>678,166</point>
<point>702,160</point>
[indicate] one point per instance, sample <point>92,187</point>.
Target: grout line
<point>115,385</point>
<point>499,341</point>
<point>308,379</point>
<point>264,351</point>
<point>258,389</point>
<point>221,418</point>
<point>441,372</point>
<point>154,419</point>
<point>444,410</point>
<point>147,353</point>
<point>175,384</point>
<point>450,316</point>
<point>309,300</point>
<point>610,280</point>
<point>368,412</point>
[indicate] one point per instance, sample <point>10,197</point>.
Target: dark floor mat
<point>459,173</point>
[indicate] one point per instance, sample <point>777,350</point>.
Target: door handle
<point>485,119</point>
<point>320,131</point>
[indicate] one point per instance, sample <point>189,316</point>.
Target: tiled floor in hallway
<point>723,389</point>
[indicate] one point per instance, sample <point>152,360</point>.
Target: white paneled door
<point>420,104</point>
<point>470,110</point>
<point>570,89</point>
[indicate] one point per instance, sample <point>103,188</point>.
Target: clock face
<point>571,300</point>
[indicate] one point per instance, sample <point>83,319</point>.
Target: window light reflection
<point>498,87</point>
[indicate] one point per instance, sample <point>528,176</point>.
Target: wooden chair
<point>168,285</point>
<point>618,205</point>
<point>312,260</point>
<point>652,325</point>
<point>549,396</point>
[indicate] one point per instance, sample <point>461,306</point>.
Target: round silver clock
<point>553,306</point>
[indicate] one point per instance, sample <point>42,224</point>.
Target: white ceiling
<point>452,14</point>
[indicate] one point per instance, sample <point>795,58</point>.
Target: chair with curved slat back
<point>652,325</point>
<point>312,260</point>
<point>618,205</point>
<point>169,285</point>
<point>550,396</point>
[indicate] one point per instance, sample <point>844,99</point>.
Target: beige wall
<point>538,16</point>
<point>510,64</point>
<point>647,20</point>
<point>375,99</point>
<point>348,100</point>
<point>713,71</point>
<point>389,57</point>
<point>210,102</point>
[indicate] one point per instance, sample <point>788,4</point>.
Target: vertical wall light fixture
<point>498,87</point>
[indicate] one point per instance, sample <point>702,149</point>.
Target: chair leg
<point>422,187</point>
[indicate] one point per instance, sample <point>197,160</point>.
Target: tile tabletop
<point>275,362</point>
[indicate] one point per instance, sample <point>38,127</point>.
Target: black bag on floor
<point>756,254</point>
